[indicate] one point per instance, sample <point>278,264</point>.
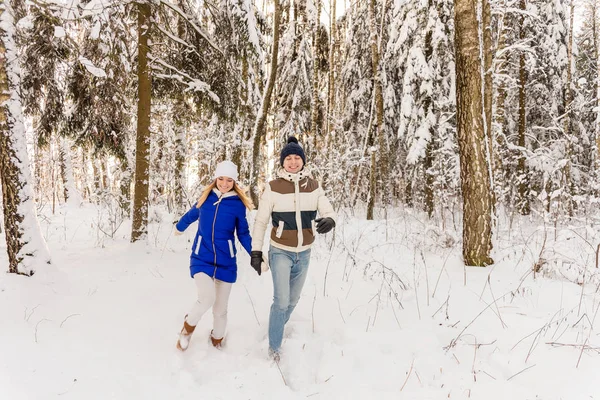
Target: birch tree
<point>474,170</point>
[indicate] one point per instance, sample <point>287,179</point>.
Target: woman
<point>291,202</point>
<point>220,211</point>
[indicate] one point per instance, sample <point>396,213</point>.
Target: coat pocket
<point>231,253</point>
<point>279,230</point>
<point>198,245</point>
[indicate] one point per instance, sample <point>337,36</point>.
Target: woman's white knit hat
<point>228,169</point>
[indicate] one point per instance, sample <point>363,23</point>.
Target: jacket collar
<point>221,196</point>
<point>298,176</point>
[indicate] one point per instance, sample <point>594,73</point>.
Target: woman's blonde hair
<point>237,188</point>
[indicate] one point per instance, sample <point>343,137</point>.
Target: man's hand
<point>177,233</point>
<point>324,225</point>
<point>256,260</point>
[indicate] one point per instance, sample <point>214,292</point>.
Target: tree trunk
<point>595,17</point>
<point>488,89</point>
<point>378,131</point>
<point>331,75</point>
<point>104,165</point>
<point>125,187</point>
<point>85,178</point>
<point>499,115</point>
<point>428,106</point>
<point>429,180</point>
<point>245,114</point>
<point>1,197</point>
<point>25,244</point>
<point>567,120</point>
<point>66,172</point>
<point>372,183</point>
<point>329,116</point>
<point>200,160</point>
<point>522,170</point>
<point>97,173</point>
<point>314,112</point>
<point>475,179</point>
<point>181,112</point>
<point>139,228</point>
<point>180,152</point>
<point>53,175</point>
<point>260,127</point>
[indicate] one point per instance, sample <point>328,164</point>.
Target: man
<point>291,202</point>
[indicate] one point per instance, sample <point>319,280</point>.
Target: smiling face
<point>224,184</point>
<point>293,163</point>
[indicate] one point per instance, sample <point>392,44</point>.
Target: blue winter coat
<point>213,250</point>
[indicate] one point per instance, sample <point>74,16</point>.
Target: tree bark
<point>314,112</point>
<point>595,17</point>
<point>245,112</point>
<point>331,75</point>
<point>261,121</point>
<point>567,120</point>
<point>475,179</point>
<point>329,115</point>
<point>66,172</point>
<point>522,170</point>
<point>125,188</point>
<point>139,228</point>
<point>500,111</point>
<point>26,247</point>
<point>428,105</point>
<point>488,90</point>
<point>372,183</point>
<point>180,152</point>
<point>378,131</point>
<point>97,174</point>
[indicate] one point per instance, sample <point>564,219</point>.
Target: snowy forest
<point>448,135</point>
<point>130,105</point>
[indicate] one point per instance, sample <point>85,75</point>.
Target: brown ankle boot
<point>185,335</point>
<point>215,342</point>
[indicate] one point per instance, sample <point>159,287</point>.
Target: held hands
<point>256,260</point>
<point>324,225</point>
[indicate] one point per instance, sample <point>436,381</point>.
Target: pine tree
<point>294,86</point>
<point>420,68</point>
<point>356,100</point>
<point>588,79</point>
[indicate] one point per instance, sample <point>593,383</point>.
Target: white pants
<point>213,293</point>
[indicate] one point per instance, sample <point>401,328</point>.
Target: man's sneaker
<point>185,335</point>
<point>274,355</point>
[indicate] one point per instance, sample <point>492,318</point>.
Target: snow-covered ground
<point>387,312</point>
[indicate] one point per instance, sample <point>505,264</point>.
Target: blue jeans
<point>288,270</point>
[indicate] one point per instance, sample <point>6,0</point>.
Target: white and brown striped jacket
<point>291,201</point>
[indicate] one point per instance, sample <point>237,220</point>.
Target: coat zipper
<point>297,211</point>
<point>213,237</point>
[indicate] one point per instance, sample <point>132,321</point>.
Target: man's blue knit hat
<point>292,147</point>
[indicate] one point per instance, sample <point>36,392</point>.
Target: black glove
<point>256,261</point>
<point>324,225</point>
